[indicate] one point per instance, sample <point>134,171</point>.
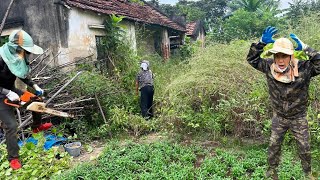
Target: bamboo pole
<point>101,110</point>
<point>5,16</point>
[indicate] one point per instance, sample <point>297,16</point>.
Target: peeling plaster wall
<point>43,20</point>
<point>81,39</point>
<point>39,19</point>
<point>66,30</point>
<point>150,44</point>
<point>130,34</point>
<point>201,37</point>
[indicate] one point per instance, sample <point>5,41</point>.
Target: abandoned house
<point>73,28</point>
<point>196,31</point>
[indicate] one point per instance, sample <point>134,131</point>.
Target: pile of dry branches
<point>57,83</point>
<point>56,80</point>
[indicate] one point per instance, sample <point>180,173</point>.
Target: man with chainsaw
<point>14,63</point>
<point>288,80</point>
<point>144,83</point>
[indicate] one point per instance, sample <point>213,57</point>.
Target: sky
<point>283,3</point>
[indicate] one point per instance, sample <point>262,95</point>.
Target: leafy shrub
<point>219,92</point>
<point>120,119</point>
<point>187,49</point>
<point>37,162</point>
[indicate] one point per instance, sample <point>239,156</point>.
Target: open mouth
<point>282,66</point>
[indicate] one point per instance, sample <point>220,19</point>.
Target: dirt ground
<point>91,151</point>
<point>88,155</point>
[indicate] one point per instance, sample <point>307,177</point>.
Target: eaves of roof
<point>137,12</point>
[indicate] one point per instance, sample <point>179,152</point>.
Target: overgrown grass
<point>166,160</point>
<point>218,92</point>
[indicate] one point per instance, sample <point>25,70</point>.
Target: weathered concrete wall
<point>40,19</point>
<point>130,30</point>
<point>149,39</point>
<point>67,31</point>
<point>201,37</point>
<point>81,39</point>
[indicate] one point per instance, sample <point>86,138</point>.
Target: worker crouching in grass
<point>288,80</point>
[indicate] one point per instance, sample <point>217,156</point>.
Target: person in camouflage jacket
<point>288,80</point>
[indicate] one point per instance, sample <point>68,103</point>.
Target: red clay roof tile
<point>191,27</point>
<point>134,11</point>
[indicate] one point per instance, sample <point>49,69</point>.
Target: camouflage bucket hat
<point>24,40</point>
<point>282,45</point>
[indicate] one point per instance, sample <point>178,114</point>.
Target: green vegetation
<point>253,5</point>
<point>167,160</point>
<point>3,40</point>
<point>37,162</point>
<point>215,94</point>
<point>211,93</point>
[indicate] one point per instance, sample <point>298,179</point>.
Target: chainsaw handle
<point>12,103</point>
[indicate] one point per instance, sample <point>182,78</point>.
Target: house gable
<point>196,31</point>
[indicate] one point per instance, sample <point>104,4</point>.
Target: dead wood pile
<point>57,82</point>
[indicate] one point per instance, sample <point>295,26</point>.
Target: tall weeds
<point>219,92</point>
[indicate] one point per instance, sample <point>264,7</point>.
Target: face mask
<point>282,70</point>
<point>15,59</point>
<point>144,66</point>
<point>26,57</point>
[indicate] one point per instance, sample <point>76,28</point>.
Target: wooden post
<point>5,16</point>
<point>101,111</point>
<point>165,44</point>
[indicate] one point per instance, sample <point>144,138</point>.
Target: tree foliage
<point>244,25</point>
<point>208,11</point>
<point>215,9</point>
<point>300,8</point>
<point>170,10</point>
<point>253,5</point>
<point>212,9</point>
<point>154,3</point>
<point>192,13</point>
<point>246,20</point>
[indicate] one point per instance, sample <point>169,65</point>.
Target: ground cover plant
<point>38,163</point>
<point>169,160</point>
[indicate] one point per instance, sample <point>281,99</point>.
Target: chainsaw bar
<point>41,107</point>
